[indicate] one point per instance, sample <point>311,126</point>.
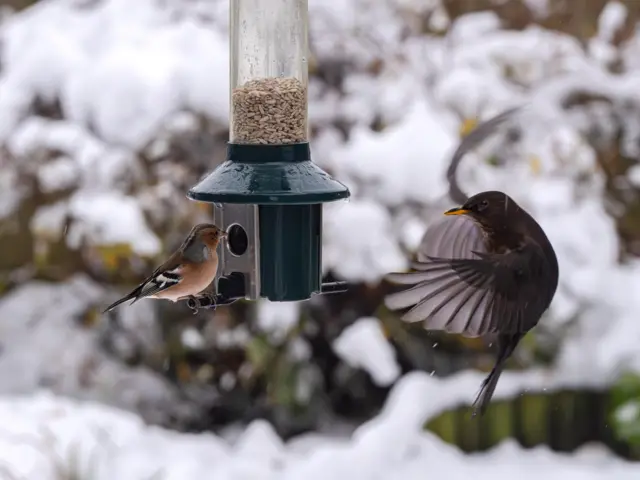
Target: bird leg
<point>212,299</point>
<point>207,299</point>
<point>193,303</point>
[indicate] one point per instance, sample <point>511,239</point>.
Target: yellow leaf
<point>41,253</point>
<point>468,124</point>
<point>90,317</point>
<point>183,372</point>
<point>113,255</point>
<point>385,330</point>
<point>474,343</point>
<point>535,164</point>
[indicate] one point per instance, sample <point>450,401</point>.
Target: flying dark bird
<point>186,273</point>
<point>487,269</point>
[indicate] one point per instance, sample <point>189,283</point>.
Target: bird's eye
<point>483,204</point>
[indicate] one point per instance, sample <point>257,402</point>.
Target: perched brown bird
<point>186,273</point>
<point>488,271</point>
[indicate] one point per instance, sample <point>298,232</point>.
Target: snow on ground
<point>47,438</point>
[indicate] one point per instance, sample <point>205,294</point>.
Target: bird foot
<point>212,300</point>
<point>194,304</point>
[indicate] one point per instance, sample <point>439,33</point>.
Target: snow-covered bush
<point>112,109</point>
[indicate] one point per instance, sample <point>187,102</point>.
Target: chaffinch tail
<point>186,273</point>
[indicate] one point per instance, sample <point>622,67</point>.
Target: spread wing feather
<point>451,237</point>
<point>469,291</point>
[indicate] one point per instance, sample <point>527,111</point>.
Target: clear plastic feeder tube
<point>269,71</point>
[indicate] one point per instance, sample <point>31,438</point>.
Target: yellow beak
<point>457,211</point>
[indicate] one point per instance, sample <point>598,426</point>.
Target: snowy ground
<point>123,70</point>
<point>48,438</point>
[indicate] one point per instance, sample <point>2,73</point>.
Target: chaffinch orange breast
<point>186,273</point>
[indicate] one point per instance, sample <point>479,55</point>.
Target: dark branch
<point>468,143</point>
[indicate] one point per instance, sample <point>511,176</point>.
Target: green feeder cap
<point>268,175</point>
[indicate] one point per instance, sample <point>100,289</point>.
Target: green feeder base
<point>283,240</point>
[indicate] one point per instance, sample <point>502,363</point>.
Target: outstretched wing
<point>493,293</point>
<point>452,237</point>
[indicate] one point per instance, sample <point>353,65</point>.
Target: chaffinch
<point>186,273</point>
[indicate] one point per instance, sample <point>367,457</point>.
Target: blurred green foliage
<point>562,420</point>
<point>625,409</point>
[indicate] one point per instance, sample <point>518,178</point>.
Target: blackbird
<point>487,269</point>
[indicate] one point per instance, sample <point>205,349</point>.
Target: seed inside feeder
<point>270,111</point>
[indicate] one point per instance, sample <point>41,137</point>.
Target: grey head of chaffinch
<point>186,273</point>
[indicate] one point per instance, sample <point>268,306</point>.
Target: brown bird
<point>186,273</point>
<point>488,271</point>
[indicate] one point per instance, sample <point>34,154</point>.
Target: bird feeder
<point>268,194</point>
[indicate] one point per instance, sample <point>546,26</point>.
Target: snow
<point>11,194</point>
<point>611,19</point>
<point>472,25</point>
<point>415,175</point>
<point>363,345</point>
<point>365,250</point>
<point>45,437</point>
<point>634,175</point>
<point>538,7</point>
<point>89,57</point>
<point>192,339</point>
<point>124,74</point>
<point>629,412</point>
<point>59,174</point>
<point>96,210</point>
<point>119,73</point>
<point>277,319</point>
<point>48,350</point>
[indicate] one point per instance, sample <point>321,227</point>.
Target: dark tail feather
<point>133,295</point>
<point>486,390</point>
<point>507,343</point>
